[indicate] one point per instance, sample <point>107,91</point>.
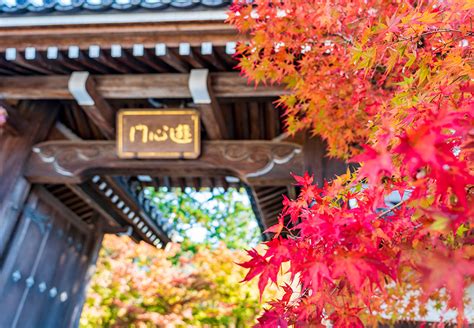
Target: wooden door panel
<point>16,271</point>
<point>44,282</point>
<point>43,276</point>
<point>65,279</point>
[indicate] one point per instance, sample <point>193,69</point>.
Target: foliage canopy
<point>192,284</point>
<point>387,84</point>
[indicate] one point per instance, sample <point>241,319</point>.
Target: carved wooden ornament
<point>251,161</point>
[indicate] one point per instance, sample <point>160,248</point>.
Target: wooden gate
<point>46,265</point>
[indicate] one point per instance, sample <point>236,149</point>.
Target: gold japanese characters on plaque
<point>171,133</point>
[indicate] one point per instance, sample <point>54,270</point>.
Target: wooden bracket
<point>199,86</point>
<point>211,114</point>
<point>83,89</point>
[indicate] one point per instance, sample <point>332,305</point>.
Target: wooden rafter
<point>121,209</point>
<point>68,214</point>
<point>139,86</point>
<point>151,225</point>
<point>257,211</point>
<point>254,162</point>
<point>169,57</point>
<point>92,202</point>
<point>137,216</point>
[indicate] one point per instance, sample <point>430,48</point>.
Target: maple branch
<point>448,43</point>
<point>345,38</point>
<point>389,210</point>
<point>293,236</point>
<point>411,38</point>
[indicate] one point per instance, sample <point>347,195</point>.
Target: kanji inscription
<point>158,133</point>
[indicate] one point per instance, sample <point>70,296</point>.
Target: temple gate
<point>64,79</point>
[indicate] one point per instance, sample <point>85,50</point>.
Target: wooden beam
<point>148,34</point>
<point>38,59</point>
<point>254,162</point>
<point>105,60</point>
<point>62,132</point>
<point>269,199</point>
<point>91,191</point>
<point>37,120</point>
<point>207,52</point>
<point>84,90</point>
<point>206,102</point>
<point>139,86</point>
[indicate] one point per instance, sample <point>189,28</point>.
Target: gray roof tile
<point>50,6</point>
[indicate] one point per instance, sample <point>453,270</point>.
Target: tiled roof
<point>45,6</point>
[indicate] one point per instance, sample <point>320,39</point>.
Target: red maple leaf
<point>277,228</point>
<point>346,318</point>
<point>450,270</point>
<point>258,265</point>
<point>271,319</point>
<point>374,164</point>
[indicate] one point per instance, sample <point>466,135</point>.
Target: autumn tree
<point>191,284</point>
<point>142,286</point>
<point>387,84</point>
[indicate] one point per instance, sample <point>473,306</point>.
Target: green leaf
<point>440,224</point>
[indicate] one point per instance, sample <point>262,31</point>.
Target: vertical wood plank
<point>317,163</point>
<point>18,264</point>
<point>95,243</point>
<point>38,119</point>
<point>313,154</point>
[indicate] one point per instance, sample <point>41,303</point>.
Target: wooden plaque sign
<point>171,133</point>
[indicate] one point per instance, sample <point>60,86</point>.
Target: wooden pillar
<point>313,157</point>
<point>35,121</point>
<point>203,96</point>
<point>317,163</point>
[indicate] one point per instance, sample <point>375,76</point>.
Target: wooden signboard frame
<point>163,134</point>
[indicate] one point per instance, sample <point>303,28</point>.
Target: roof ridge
<point>17,7</point>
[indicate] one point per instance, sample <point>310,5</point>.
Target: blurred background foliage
<point>193,283</point>
<point>208,217</point>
